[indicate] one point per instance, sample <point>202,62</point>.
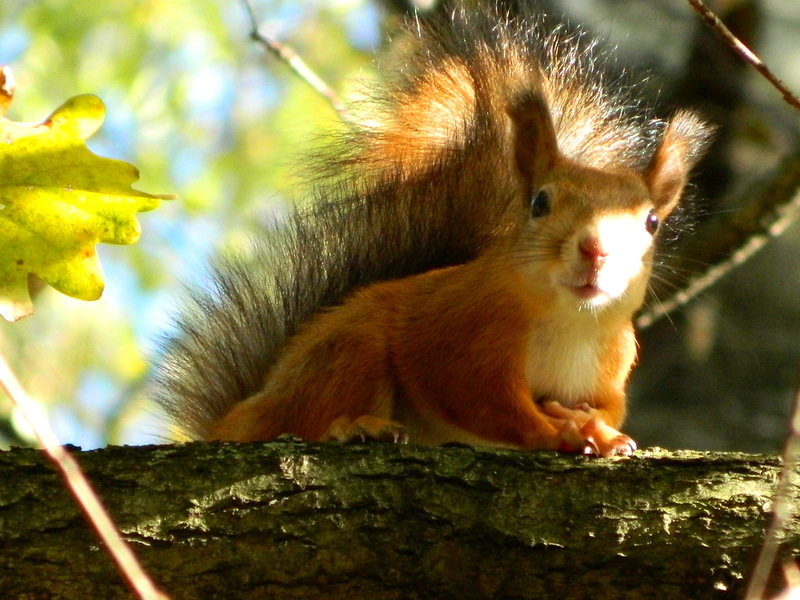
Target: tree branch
<point>716,24</point>
<point>292,520</point>
<point>288,56</point>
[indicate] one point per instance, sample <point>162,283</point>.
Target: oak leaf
<point>58,200</point>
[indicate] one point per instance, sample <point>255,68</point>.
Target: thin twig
<point>782,512</point>
<point>75,479</point>
<point>716,24</point>
<point>295,63</point>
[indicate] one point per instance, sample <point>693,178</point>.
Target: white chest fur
<point>563,361</point>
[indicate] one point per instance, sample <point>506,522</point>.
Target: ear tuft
<point>535,144</point>
<point>685,139</point>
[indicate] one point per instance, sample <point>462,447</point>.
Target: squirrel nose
<point>592,250</point>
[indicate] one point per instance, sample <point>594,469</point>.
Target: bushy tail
<point>229,334</point>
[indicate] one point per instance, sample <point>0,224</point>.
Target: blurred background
<point>206,115</point>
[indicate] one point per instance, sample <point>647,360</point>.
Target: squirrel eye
<point>652,222</point>
<point>540,204</point>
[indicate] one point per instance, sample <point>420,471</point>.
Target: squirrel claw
<point>606,440</point>
<point>583,431</point>
<point>621,445</point>
<point>590,447</point>
<point>365,428</point>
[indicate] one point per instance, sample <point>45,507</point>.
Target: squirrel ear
<point>535,144</point>
<point>685,138</point>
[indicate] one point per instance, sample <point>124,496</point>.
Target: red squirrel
<point>470,274</point>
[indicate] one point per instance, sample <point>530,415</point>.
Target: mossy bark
<point>295,520</point>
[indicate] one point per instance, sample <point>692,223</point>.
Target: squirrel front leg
<point>596,434</point>
<point>485,409</point>
<point>598,413</point>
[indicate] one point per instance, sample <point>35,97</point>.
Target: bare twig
<point>295,63</point>
<point>75,479</point>
<point>782,511</point>
<point>716,24</point>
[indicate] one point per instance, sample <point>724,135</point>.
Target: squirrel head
<point>586,235</point>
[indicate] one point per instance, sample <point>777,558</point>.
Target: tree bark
<point>295,520</point>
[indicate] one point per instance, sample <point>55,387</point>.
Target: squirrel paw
<point>603,440</point>
<point>365,428</point>
<point>585,432</point>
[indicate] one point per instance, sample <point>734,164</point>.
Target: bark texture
<point>290,520</point>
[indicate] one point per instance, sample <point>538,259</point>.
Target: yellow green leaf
<point>57,201</point>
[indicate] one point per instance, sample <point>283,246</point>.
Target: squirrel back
<point>423,182</point>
